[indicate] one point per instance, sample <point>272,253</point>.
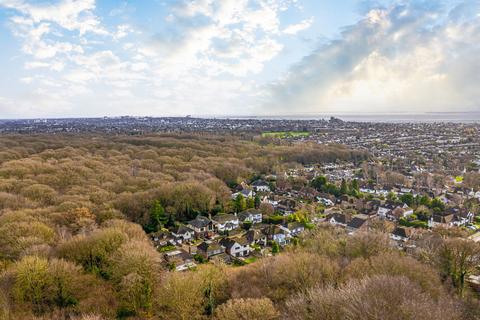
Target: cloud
<point>72,15</point>
<point>235,37</point>
<point>42,28</point>
<point>123,30</point>
<point>293,29</point>
<point>61,42</point>
<point>198,60</point>
<point>410,57</point>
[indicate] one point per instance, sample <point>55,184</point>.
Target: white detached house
<point>250,215</point>
<point>225,222</point>
<point>238,247</point>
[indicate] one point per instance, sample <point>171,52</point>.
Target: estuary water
<point>457,117</point>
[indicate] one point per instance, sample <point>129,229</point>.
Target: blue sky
<point>68,58</point>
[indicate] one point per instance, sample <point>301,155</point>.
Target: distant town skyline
<point>87,58</point>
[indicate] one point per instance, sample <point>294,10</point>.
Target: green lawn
<point>250,260</point>
<point>286,134</point>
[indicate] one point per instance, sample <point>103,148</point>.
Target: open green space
<point>286,134</point>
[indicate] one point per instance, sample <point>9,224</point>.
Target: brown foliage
<point>280,276</point>
<point>247,309</point>
<point>380,297</point>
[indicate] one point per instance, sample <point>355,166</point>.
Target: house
<point>407,211</point>
<point>273,202</point>
<point>444,199</point>
<point>225,222</point>
<point>162,239</point>
<point>256,237</point>
<point>477,195</point>
<point>326,202</point>
<point>358,222</point>
<point>180,260</point>
<point>250,215</point>
<point>339,218</point>
<point>208,249</point>
<point>238,247</point>
<point>402,234</point>
<point>296,228</point>
<point>462,218</point>
<point>399,212</point>
<point>183,234</point>
<point>441,219</point>
<point>261,186</point>
<point>201,225</point>
<point>284,210</point>
<point>385,210</point>
<point>246,193</point>
<point>404,190</point>
<point>279,234</point>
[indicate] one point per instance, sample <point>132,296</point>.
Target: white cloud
<point>199,62</point>
<point>410,57</point>
<point>293,29</point>
<point>72,15</point>
<point>122,31</point>
<point>230,36</point>
<point>27,80</point>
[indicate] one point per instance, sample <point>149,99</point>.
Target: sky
<point>85,58</point>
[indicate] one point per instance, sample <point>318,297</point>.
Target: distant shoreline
<point>428,117</point>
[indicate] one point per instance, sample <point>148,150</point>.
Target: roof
<point>242,240</point>
<point>200,222</point>
<point>178,255</point>
<point>443,219</point>
<point>402,232</point>
<point>275,229</point>
<point>245,192</point>
<point>212,246</point>
<point>340,217</point>
<point>389,205</point>
<point>245,214</point>
<point>230,242</point>
<point>222,218</point>
<point>295,225</point>
<point>397,212</point>
<point>253,235</point>
<point>260,183</point>
<point>358,221</point>
<point>183,230</point>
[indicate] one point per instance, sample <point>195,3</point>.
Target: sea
<point>431,117</point>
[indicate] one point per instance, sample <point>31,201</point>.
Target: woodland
<point>73,215</point>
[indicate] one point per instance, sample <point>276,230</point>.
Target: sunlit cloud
<point>212,57</point>
<point>409,57</point>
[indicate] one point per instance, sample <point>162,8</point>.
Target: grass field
<point>286,134</point>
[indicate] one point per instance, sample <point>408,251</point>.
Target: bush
<point>379,297</point>
<point>414,223</point>
<point>247,309</point>
<point>41,284</point>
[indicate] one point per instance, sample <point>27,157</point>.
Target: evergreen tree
<point>250,203</point>
<point>319,183</point>
<point>257,202</point>
<point>407,198</point>
<point>171,221</point>
<point>344,187</point>
<point>391,196</point>
<point>355,186</point>
<point>158,218</point>
<point>275,248</point>
<point>240,204</point>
